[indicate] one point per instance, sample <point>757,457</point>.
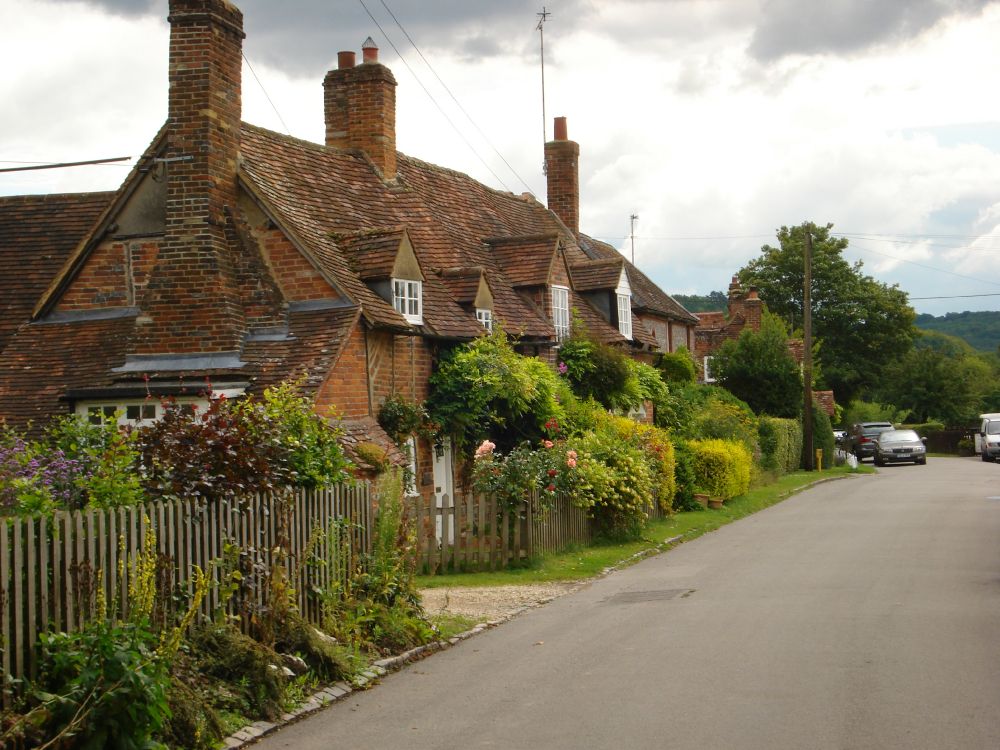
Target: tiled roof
<point>318,192</point>
<point>711,319</point>
<point>37,367</point>
<point>594,275</point>
<point>368,430</point>
<point>826,401</point>
<point>462,282</point>
<point>371,254</point>
<point>526,261</point>
<point>646,295</point>
<point>37,234</point>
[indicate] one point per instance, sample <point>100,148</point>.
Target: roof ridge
<point>42,197</point>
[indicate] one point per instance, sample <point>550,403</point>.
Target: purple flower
<point>563,369</point>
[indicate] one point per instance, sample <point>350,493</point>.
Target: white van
<point>988,437</point>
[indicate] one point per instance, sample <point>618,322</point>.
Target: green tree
<point>759,369</point>
<point>863,325</point>
<point>941,378</point>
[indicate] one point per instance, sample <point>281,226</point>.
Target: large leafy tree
<point>941,378</point>
<point>759,369</point>
<point>862,325</point>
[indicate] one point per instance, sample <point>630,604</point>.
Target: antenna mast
<point>631,233</point>
<point>542,18</point>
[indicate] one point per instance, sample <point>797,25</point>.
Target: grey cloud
<point>304,36</point>
<point>794,27</point>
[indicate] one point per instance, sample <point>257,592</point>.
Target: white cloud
<point>675,119</point>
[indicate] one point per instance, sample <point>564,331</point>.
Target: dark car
<point>899,445</point>
<point>860,441</point>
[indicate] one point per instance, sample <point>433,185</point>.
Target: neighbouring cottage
<point>234,258</point>
<point>745,312</point>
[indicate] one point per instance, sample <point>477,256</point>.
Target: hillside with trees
<point>980,329</point>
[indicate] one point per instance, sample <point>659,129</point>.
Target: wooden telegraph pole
<point>807,414</point>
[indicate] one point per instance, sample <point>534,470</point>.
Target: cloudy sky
<point>715,121</point>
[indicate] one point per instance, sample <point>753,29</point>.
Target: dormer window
<point>406,298</point>
<point>623,294</point>
<point>560,312</point>
<point>485,317</point>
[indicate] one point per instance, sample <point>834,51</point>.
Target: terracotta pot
<point>701,499</point>
<point>715,503</point>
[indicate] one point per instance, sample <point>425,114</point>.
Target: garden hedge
<point>722,467</point>
<point>780,444</point>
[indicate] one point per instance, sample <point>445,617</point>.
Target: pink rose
<point>571,463</point>
<point>547,443</point>
<point>485,449</point>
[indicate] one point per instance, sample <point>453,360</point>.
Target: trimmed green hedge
<point>822,436</point>
<point>780,444</point>
<point>722,468</point>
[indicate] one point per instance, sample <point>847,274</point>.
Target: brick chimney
<point>753,309</point>
<point>735,298</point>
<point>562,170</point>
<point>359,107</point>
<point>191,304</point>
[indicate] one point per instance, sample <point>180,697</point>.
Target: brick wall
<point>346,386</point>
<point>297,278</point>
<point>114,274</point>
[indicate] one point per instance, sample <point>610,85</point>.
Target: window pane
<point>149,411</point>
<point>132,412</point>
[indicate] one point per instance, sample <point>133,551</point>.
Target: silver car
<point>900,445</point>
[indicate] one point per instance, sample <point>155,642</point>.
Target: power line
<point>266,95</point>
<point>957,296</point>
<point>43,165</point>
<point>433,100</point>
<point>454,99</point>
<point>929,268</point>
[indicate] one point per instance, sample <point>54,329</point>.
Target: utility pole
<point>807,415</point>
<point>631,233</point>
<point>542,18</point>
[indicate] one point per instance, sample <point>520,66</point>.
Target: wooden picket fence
<point>54,571</point>
<point>474,533</point>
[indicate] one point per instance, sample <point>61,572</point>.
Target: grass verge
<point>586,562</point>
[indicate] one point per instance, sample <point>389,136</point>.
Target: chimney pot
<point>345,59</point>
<point>369,51</point>
<point>561,133</point>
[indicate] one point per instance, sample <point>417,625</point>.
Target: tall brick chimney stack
<point>753,309</point>
<point>191,304</point>
<point>735,298</point>
<point>359,107</point>
<point>562,169</point>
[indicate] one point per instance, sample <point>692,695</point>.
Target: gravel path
<point>492,602</point>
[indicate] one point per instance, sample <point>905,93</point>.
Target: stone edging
<point>339,690</point>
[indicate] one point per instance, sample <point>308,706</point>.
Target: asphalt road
<point>864,613</point>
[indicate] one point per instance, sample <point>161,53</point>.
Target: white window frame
<point>485,317</point>
<point>708,371</point>
<point>625,315</point>
<point>560,311</point>
<point>407,299</point>
<point>102,411</point>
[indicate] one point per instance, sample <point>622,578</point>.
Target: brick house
<point>745,311</point>
<point>239,257</point>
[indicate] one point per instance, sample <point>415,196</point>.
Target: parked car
<point>988,437</point>
<point>899,445</point>
<point>860,440</point>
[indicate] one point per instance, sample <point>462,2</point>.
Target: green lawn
<point>586,562</point>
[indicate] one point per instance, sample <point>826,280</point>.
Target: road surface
<point>863,613</point>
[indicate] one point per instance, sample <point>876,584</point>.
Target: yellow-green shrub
<point>659,451</point>
<point>722,467</point>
